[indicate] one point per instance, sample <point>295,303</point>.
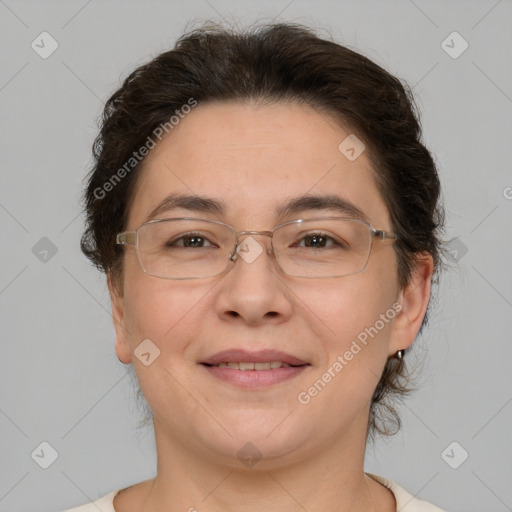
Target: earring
<point>400,354</point>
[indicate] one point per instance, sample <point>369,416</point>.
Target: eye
<point>190,240</point>
<point>319,241</point>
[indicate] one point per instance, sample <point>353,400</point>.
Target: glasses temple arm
<point>383,235</point>
<point>126,238</point>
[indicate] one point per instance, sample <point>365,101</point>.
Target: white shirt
<point>405,502</point>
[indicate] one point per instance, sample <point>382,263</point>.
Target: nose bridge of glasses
<point>244,234</point>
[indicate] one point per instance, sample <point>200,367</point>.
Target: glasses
<point>188,248</point>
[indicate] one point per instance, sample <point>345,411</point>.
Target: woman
<point>267,218</point>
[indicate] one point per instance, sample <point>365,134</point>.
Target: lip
<point>261,356</point>
<point>253,379</point>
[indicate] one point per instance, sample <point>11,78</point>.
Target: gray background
<point>60,379</point>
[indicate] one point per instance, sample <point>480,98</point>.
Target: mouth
<point>251,370</point>
<point>270,365</point>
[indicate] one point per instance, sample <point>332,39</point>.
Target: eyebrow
<point>294,206</point>
<point>309,203</point>
<point>189,202</point>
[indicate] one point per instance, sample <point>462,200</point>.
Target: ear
<point>414,299</point>
<point>122,347</point>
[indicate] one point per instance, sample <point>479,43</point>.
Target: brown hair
<point>271,63</point>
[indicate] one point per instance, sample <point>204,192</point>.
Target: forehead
<point>254,159</point>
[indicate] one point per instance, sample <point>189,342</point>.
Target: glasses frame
<point>130,238</point>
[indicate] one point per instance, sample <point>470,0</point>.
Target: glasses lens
<point>184,249</point>
<point>323,247</point>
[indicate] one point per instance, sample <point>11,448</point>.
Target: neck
<point>191,479</point>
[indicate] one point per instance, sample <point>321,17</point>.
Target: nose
<point>253,291</point>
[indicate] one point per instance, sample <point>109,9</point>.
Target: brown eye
<point>319,241</point>
<point>190,240</point>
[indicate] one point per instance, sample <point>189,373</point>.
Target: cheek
<point>161,310</point>
<point>354,328</point>
<point>352,321</point>
<point>346,306</point>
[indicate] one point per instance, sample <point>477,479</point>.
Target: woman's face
<point>255,160</point>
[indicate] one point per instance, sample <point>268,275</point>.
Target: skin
<point>255,158</point>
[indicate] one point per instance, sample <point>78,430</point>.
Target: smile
<point>271,365</point>
<point>252,376</point>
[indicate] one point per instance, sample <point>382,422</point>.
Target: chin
<point>271,435</point>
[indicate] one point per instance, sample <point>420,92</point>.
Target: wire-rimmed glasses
<point>191,248</point>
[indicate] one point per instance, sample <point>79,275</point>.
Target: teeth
<point>271,365</point>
